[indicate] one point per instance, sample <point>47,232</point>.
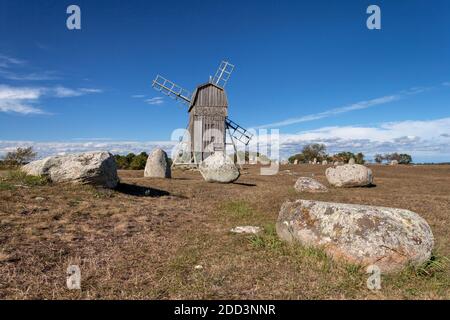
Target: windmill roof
<point>194,95</point>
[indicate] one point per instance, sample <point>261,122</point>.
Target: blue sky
<point>312,69</point>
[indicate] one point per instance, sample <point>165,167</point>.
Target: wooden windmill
<point>208,116</point>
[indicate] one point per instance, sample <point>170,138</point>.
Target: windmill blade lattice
<point>171,89</point>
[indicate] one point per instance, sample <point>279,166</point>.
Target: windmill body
<point>207,120</point>
<point>208,116</point>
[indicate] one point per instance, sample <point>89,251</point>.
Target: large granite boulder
<point>94,168</point>
<point>157,165</point>
<point>349,175</point>
<point>218,167</point>
<point>306,184</point>
<point>366,235</point>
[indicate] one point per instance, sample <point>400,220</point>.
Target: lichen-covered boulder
<point>366,235</point>
<point>218,167</point>
<point>157,165</point>
<point>306,184</point>
<point>349,175</point>
<point>94,168</point>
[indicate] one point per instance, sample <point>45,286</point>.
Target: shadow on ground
<point>140,191</point>
<point>245,184</point>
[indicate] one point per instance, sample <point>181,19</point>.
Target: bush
<point>139,161</point>
<point>17,177</point>
<point>19,157</point>
<point>132,161</point>
<point>402,158</point>
<point>310,152</point>
<point>346,156</point>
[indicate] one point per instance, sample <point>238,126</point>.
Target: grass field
<point>147,239</point>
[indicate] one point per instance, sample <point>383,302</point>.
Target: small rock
<point>198,267</point>
<point>324,162</point>
<point>39,199</point>
<point>393,163</point>
<point>306,184</point>
<point>246,229</point>
<point>351,161</point>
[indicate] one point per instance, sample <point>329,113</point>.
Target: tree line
<point>318,152</point>
<point>401,158</point>
<point>133,161</point>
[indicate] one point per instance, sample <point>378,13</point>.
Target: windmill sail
<point>171,89</point>
<point>223,74</point>
<point>238,132</point>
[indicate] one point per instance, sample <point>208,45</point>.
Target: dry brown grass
<point>144,240</point>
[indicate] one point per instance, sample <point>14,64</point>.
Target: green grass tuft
<point>17,177</point>
<point>237,209</point>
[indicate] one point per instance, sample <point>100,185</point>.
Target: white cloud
<point>33,76</point>
<point>18,106</point>
<point>63,92</point>
<point>22,99</point>
<point>9,70</point>
<point>19,93</point>
<point>155,101</point>
<point>90,90</point>
<point>424,139</point>
<point>6,61</point>
<point>19,99</point>
<point>352,107</point>
<point>138,96</point>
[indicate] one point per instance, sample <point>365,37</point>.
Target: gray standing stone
<point>306,184</point>
<point>218,167</point>
<point>94,168</point>
<point>351,161</point>
<point>157,165</point>
<point>349,175</point>
<point>366,235</point>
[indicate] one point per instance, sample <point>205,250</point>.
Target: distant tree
<point>130,157</point>
<point>344,156</point>
<point>20,156</point>
<point>392,156</point>
<point>121,162</point>
<point>314,150</point>
<point>378,158</point>
<point>299,157</point>
<point>405,159</point>
<point>359,158</point>
<point>139,161</point>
